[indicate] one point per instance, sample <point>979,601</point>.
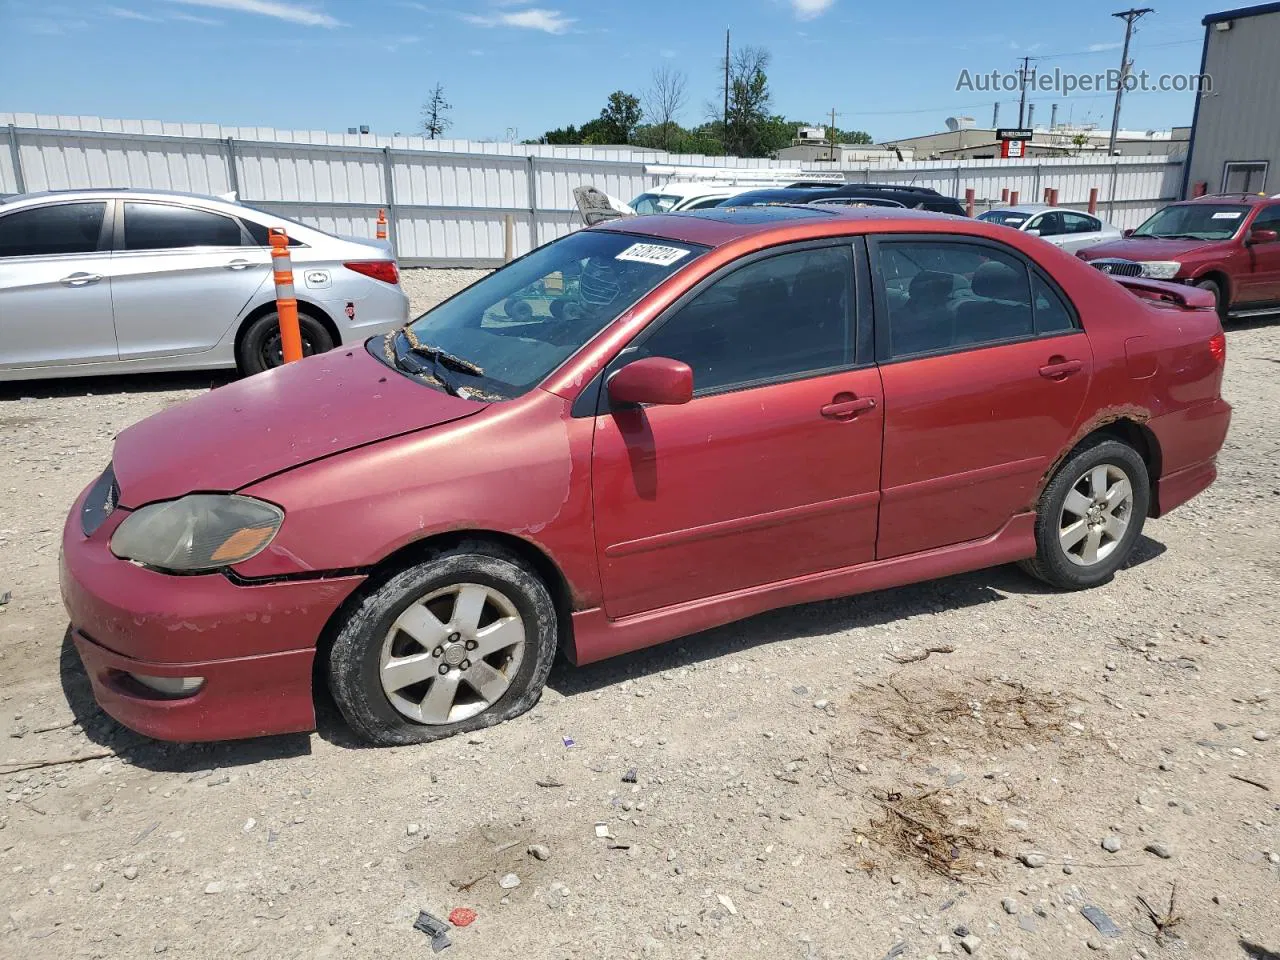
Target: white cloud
<point>192,18</point>
<point>279,9</point>
<point>1100,47</point>
<point>808,9</point>
<point>548,21</point>
<point>49,26</point>
<point>126,14</point>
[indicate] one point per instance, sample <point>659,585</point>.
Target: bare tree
<point>664,100</point>
<point>749,100</point>
<point>435,114</point>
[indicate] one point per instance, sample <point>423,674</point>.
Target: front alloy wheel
<point>462,640</point>
<point>452,654</point>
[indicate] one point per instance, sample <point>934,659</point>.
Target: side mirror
<point>1263,235</point>
<point>658,380</point>
<point>1129,232</point>
<point>1032,233</point>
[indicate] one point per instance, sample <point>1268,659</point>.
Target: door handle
<point>238,264</point>
<point>1059,369</point>
<point>847,409</point>
<point>80,279</point>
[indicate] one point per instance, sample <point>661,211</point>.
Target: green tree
<point>620,117</point>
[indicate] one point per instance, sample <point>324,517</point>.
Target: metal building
<point>1235,131</point>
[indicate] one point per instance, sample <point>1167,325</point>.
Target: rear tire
<point>1213,287</point>
<point>1090,515</point>
<point>461,641</point>
<point>260,348</point>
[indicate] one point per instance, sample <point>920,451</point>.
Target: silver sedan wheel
<point>1096,515</point>
<point>452,654</point>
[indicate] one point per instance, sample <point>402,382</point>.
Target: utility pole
<point>725,127</point>
<point>1022,78</point>
<point>1129,17</point>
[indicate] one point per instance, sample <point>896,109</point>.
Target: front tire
<point>462,641</point>
<point>1090,515</point>
<point>1218,299</point>
<point>260,347</point>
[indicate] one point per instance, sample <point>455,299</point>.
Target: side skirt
<point>596,637</point>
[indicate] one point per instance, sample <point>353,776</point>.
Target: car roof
<point>1248,199</point>
<point>684,190</point>
<point>1027,208</point>
<point>789,194</point>
<point>716,226</point>
<point>101,193</point>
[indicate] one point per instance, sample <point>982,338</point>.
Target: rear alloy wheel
<point>462,641</point>
<point>1090,515</point>
<point>260,348</point>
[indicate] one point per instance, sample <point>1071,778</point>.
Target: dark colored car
<point>636,432</point>
<point>1226,244</point>
<point>913,198</point>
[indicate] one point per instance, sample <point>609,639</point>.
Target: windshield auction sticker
<point>655,253</point>
<point>1227,215</point>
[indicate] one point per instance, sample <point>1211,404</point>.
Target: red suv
<point>1226,244</point>
<point>637,431</point>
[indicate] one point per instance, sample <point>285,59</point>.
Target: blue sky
<point>527,65</point>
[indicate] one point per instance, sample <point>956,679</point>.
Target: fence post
<point>286,301</point>
<point>233,172</point>
<point>955,190</point>
<point>532,190</point>
<point>508,237</point>
<point>19,181</point>
<point>1035,186</point>
<point>1093,200</point>
<point>1004,194</point>
<point>390,190</point>
<point>1013,198</point>
<point>1115,181</point>
<point>969,195</point>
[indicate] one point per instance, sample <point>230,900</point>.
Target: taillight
<point>384,270</point>
<point>1218,347</point>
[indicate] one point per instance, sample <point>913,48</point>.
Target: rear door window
<point>52,229</point>
<point>166,226</point>
<point>952,296</point>
<point>1080,223</point>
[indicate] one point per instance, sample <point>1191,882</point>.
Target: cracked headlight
<point>197,533</point>
<point>1160,269</point>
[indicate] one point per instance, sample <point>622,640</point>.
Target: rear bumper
<point>252,644</point>
<point>1189,443</point>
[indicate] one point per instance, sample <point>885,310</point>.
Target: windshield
<point>1195,221</point>
<point>501,336</point>
<point>653,203</point>
<point>1010,218</point>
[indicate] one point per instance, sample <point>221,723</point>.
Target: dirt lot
<point>800,792</point>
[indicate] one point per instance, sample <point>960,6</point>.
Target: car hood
<point>1145,248</point>
<point>274,421</point>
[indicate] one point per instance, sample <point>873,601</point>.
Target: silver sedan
<point>124,281</point>
<point>1071,230</point>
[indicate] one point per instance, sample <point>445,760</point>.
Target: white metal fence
<point>447,200</point>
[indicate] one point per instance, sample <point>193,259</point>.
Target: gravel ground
<point>800,793</point>
<point>426,287</point>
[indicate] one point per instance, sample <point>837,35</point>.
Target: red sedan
<point>633,433</point>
